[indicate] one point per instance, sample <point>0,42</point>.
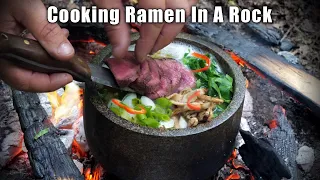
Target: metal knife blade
<point>103,75</point>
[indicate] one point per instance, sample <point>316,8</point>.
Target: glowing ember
<point>93,175</point>
<point>234,166</point>
<point>77,150</point>
<point>243,63</point>
<point>62,106</point>
<point>233,155</point>
<point>92,52</point>
<point>238,166</point>
<point>90,40</point>
<point>237,59</point>
<point>273,124</point>
<point>234,176</point>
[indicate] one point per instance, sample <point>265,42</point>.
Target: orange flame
<point>92,52</point>
<point>90,40</point>
<point>95,175</point>
<point>62,106</point>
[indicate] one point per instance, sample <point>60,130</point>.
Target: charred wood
<point>262,159</point>
<point>47,154</point>
<point>11,136</point>
<point>271,35</point>
<point>283,139</point>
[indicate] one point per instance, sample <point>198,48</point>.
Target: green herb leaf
<point>225,92</point>
<point>136,101</point>
<point>213,84</point>
<point>160,116</point>
<point>141,117</point>
<point>41,133</point>
<point>230,79</point>
<point>117,110</point>
<point>163,102</point>
<point>151,122</point>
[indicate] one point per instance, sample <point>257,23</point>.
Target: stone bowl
<point>130,151</point>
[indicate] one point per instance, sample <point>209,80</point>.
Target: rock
<point>67,139</point>
<point>304,62</point>
<point>273,99</point>
<point>79,165</point>
<point>286,45</point>
<point>11,136</point>
<point>306,26</point>
<point>305,158</point>
<point>289,57</point>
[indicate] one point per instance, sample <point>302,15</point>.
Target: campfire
<point>67,114</point>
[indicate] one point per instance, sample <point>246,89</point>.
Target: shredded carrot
<point>193,106</point>
<point>203,57</point>
<point>128,109</point>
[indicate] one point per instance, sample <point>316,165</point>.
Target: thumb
<point>50,35</point>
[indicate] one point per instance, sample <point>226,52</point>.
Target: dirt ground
<point>299,22</point>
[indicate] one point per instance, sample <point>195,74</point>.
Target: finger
<point>119,35</point>
<point>148,32</point>
<point>167,35</point>
<point>50,35</point>
<point>64,31</point>
<point>170,31</point>
<point>29,81</point>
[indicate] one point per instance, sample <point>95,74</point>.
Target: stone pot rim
<point>235,104</point>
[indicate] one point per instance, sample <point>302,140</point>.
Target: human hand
<point>153,37</point>
<point>17,15</point>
